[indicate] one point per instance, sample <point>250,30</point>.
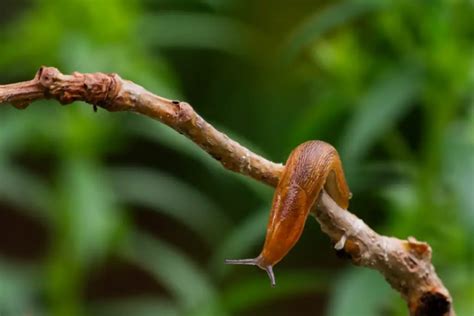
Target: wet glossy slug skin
<point>311,166</point>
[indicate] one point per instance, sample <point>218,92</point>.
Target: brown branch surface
<point>405,264</point>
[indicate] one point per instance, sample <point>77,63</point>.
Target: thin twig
<point>405,264</point>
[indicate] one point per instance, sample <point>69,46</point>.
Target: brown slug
<point>311,166</point>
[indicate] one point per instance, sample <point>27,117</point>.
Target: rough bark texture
<point>405,264</point>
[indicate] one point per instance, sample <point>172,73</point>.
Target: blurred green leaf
<point>178,273</point>
<point>48,22</point>
<point>319,117</point>
<point>169,195</point>
<point>33,130</point>
<point>25,190</point>
<point>200,30</point>
<point>18,286</point>
<point>89,208</point>
<point>13,132</point>
<point>321,22</point>
<point>460,282</point>
<point>165,136</point>
<point>381,108</point>
<point>458,167</point>
<point>143,306</point>
<point>168,137</point>
<point>360,292</point>
<point>381,174</point>
<point>252,292</point>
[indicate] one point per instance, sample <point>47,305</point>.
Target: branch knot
<point>97,88</point>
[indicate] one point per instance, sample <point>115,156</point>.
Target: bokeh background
<point>115,214</point>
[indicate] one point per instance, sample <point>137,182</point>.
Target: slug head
<point>255,262</point>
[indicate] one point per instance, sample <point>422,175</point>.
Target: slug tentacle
<point>311,166</point>
<point>250,262</point>
<point>255,262</point>
<point>269,270</point>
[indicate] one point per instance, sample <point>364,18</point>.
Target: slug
<point>310,168</point>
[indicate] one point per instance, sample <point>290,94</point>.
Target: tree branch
<point>405,264</point>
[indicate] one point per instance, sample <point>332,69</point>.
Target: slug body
<point>311,166</point>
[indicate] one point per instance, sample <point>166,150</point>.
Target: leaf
<point>318,118</point>
<point>384,104</point>
<point>381,174</point>
<point>12,132</point>
<point>142,306</point>
<point>186,282</point>
<point>172,197</point>
<point>88,209</point>
<point>25,190</point>
<point>360,292</point>
<point>200,31</point>
<point>321,22</point>
<point>19,285</point>
<point>166,136</point>
<point>16,130</point>
<point>458,166</point>
<point>252,292</point>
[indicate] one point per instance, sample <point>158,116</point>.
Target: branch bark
<point>405,264</point>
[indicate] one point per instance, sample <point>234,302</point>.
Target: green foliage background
<point>115,214</point>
